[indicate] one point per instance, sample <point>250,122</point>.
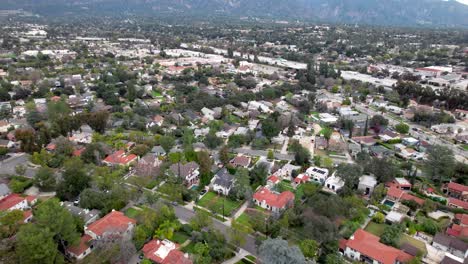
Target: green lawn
<point>156,94</point>
<point>243,219</point>
<point>286,186</point>
<point>132,212</point>
<point>465,147</point>
<point>374,228</point>
<point>412,241</point>
<point>180,237</point>
<point>214,202</point>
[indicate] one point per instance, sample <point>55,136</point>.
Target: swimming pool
<point>389,203</point>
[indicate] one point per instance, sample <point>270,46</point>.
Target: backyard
<point>214,202</point>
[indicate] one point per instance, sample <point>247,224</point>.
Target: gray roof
<point>84,214</point>
<point>451,242</point>
<point>224,178</point>
<point>4,189</point>
<point>184,169</point>
<point>158,150</point>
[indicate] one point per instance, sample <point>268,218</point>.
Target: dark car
<point>203,192</point>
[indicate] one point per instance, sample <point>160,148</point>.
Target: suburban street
<point>253,152</point>
<point>7,166</point>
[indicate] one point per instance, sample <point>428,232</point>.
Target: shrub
<point>379,218</point>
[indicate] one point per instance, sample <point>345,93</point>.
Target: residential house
<point>300,179</point>
<point>273,201</point>
<point>83,249</point>
<point>272,181</point>
<point>189,172</point>
<point>396,195</point>
<point>82,136</point>
<point>410,141</point>
<point>367,184</point>
<point>365,247</point>
<point>164,252</point>
<point>286,171</point>
<point>241,161</point>
<point>334,183</point>
<point>365,141</point>
<point>120,158</point>
<point>4,126</point>
<point>317,174</point>
<point>6,143</point>
<point>379,151</point>
<point>148,166</point>
<point>388,135</point>
<point>459,227</point>
<point>114,223</point>
<point>14,201</point>
<point>158,151</point>
<point>450,245</point>
<point>456,203</point>
<point>88,216</point>
<point>456,190</point>
<point>337,143</point>
<point>208,113</point>
<point>223,182</point>
<point>400,183</point>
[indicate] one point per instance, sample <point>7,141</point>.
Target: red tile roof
<point>273,199</point>
<point>463,218</point>
<point>409,197</point>
<point>457,187</point>
<point>241,160</point>
<point>302,178</point>
<point>369,245</point>
<point>81,247</point>
<point>10,201</point>
<point>119,157</point>
<point>458,203</point>
<point>274,179</point>
<point>164,252</point>
<point>27,214</point>
<point>395,192</point>
<point>428,69</point>
<point>78,152</point>
<point>114,221</point>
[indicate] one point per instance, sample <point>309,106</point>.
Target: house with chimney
<point>273,201</point>
<point>189,172</point>
<point>165,252</point>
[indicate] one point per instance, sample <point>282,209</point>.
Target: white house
<point>317,174</point>
<point>286,171</point>
<point>367,184</point>
<point>334,183</point>
<point>223,182</point>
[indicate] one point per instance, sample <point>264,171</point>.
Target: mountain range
<point>428,13</point>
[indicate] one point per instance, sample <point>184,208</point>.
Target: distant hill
<point>432,13</point>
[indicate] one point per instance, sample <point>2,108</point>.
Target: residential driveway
<point>7,167</point>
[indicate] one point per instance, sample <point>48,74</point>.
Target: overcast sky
<point>463,1</point>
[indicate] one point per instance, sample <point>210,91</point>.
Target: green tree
<point>270,128</point>
<point>75,179</point>
<point>379,218</point>
<point>309,248</point>
<point>277,251</point>
<point>45,179</point>
<point>10,221</point>
<point>302,156</point>
<point>242,189</point>
<point>52,216</point>
<point>167,143</point>
<point>166,229</point>
<point>271,155</point>
<point>402,128</point>
<point>440,163</point>
<point>237,233</point>
<point>326,132</point>
<point>201,220</point>
<point>224,155</point>
<point>35,244</point>
<point>391,235</point>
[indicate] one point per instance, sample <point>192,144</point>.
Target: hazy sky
<point>463,1</point>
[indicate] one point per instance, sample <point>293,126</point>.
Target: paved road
<point>185,215</point>
<point>7,167</point>
<point>253,152</point>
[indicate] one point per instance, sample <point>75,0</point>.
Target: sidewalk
<point>242,253</point>
<point>241,210</point>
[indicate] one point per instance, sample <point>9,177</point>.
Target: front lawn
<point>214,203</point>
<point>180,237</point>
<point>374,228</point>
<point>132,212</point>
<point>405,239</point>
